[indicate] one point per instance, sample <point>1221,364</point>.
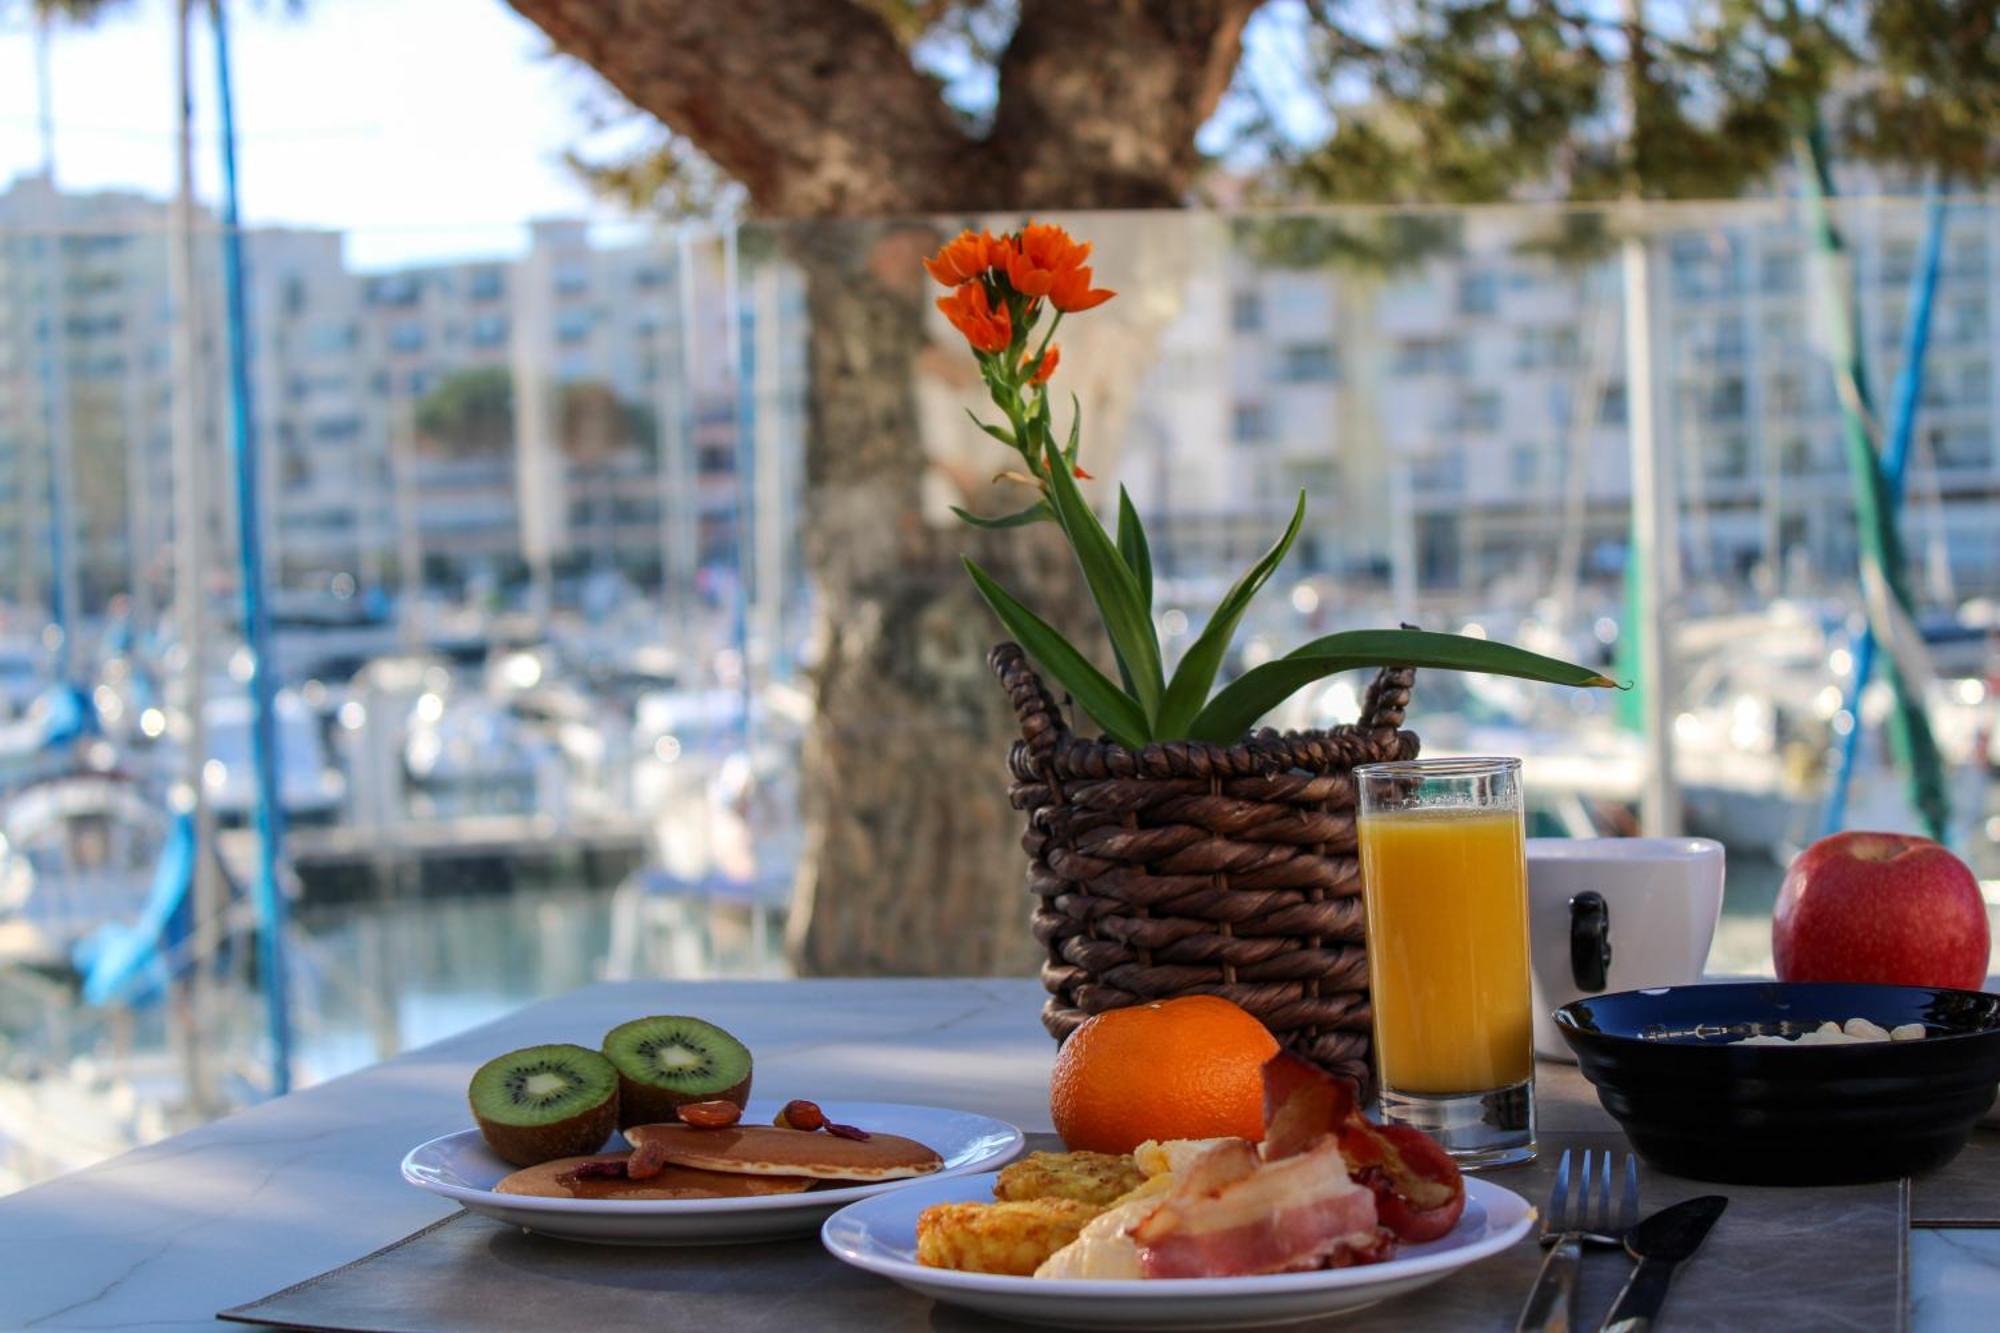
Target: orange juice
<point>1447,897</point>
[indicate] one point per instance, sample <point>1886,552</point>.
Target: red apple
<point>1884,907</point>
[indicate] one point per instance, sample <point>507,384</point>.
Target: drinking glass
<point>1445,877</point>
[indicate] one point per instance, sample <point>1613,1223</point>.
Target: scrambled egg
<point>1103,1249</point>
<point>1155,1158</point>
<point>1058,1214</point>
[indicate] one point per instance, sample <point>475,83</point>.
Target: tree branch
<point>1100,99</point>
<point>812,104</point>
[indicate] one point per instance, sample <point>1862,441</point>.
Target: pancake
<point>674,1182</point>
<point>766,1150</point>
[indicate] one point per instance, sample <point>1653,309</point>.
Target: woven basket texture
<point>1186,868</point>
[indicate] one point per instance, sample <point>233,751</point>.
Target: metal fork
<point>1570,1224</point>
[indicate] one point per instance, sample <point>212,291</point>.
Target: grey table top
<point>165,1236</point>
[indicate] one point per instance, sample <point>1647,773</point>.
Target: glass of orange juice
<point>1445,878</point>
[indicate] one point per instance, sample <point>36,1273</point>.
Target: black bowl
<point>1696,1105</point>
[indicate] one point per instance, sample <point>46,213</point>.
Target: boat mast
<point>1655,511</point>
<point>741,351</point>
<point>190,548</point>
<point>64,610</point>
<point>1878,481</point>
<point>270,897</point>
<point>674,420</point>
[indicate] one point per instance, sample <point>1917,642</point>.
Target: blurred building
<point>340,364</point>
<point>84,318</point>
<point>1463,409</point>
<point>1450,394</point>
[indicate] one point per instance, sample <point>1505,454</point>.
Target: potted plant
<point>1181,852</point>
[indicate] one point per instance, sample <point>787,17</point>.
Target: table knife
<point>1659,1243</point>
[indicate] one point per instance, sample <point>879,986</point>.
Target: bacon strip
<point>1282,1216</point>
<point>1418,1188</point>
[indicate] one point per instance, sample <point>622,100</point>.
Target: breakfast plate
<point>880,1236</point>
<point>462,1168</point>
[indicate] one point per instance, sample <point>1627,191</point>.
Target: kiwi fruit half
<point>669,1060</point>
<point>545,1102</point>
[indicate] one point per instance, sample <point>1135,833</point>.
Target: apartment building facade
<point>339,362</point>
<point>1455,408</point>
<point>1462,409</point>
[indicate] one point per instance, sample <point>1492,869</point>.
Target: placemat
<point>1778,1259</point>
<point>1964,1192</point>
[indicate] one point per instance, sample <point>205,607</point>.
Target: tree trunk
<point>912,859</point>
<point>912,856</point>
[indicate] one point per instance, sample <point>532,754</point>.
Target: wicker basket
<point>1187,868</point>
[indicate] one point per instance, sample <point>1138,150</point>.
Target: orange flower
<point>1072,292</point>
<point>965,257</point>
<point>1047,367</point>
<point>985,326</point>
<point>1039,256</point>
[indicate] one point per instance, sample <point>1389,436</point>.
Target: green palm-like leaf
<point>1116,592</point>
<point>1113,709</point>
<point>1239,705</point>
<point>1132,545</point>
<point>1196,672</point>
<point>1034,513</point>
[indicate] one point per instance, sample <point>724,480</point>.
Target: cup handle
<point>1589,941</point>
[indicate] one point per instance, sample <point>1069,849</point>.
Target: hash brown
<point>1088,1177</point>
<point>1012,1238</point>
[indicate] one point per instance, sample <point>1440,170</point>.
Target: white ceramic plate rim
<point>1009,1143</point>
<point>1491,1198</point>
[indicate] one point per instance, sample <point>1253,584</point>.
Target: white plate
<point>880,1235</point>
<point>461,1167</point>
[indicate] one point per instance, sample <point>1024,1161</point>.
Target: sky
<point>423,128</point>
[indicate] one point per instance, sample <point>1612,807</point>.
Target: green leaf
<point>1116,592</point>
<point>1196,673</point>
<point>1132,545</point>
<point>1075,431</point>
<point>1113,709</point>
<point>1234,710</point>
<point>1034,513</point>
<point>1000,433</point>
<point>1138,558</point>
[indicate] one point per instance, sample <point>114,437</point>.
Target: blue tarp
<point>67,716</point>
<point>128,963</point>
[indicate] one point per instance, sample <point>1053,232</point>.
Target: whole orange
<point>1190,1068</point>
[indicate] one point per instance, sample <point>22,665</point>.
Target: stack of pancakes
<point>739,1162</point>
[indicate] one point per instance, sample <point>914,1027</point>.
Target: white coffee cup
<point>1613,914</point>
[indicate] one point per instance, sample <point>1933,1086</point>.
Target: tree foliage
<point>1471,101</point>
<point>1419,102</point>
<point>1467,101</point>
<point>470,414</point>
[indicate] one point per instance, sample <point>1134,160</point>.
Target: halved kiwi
<point>668,1060</point>
<point>545,1102</point>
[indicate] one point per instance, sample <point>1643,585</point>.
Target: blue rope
<point>256,618</point>
<point>1895,468</point>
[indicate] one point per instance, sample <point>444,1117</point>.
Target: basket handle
<point>1041,719</point>
<point>1388,696</point>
